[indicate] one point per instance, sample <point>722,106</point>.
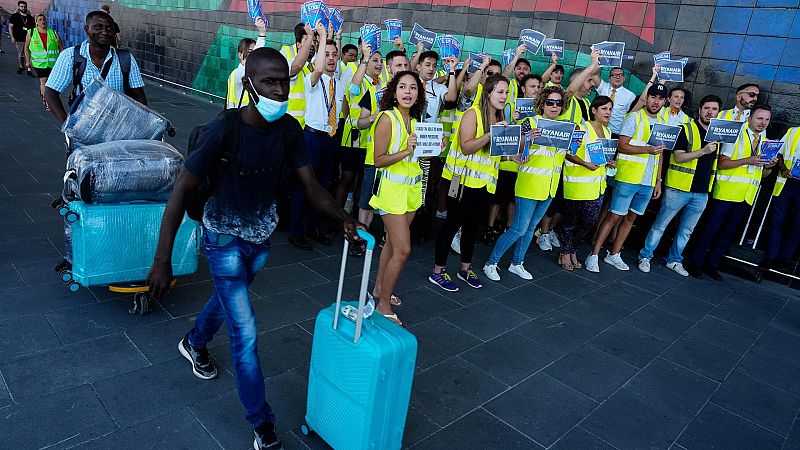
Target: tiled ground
<point>568,361</point>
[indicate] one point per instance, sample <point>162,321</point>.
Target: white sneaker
<point>644,265</point>
<point>592,264</point>
<point>519,270</point>
<point>491,272</point>
<point>456,244</point>
<point>441,214</point>
<point>678,268</point>
<point>544,242</point>
<point>554,239</point>
<point>616,261</point>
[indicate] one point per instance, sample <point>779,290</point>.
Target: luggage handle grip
<point>362,292</point>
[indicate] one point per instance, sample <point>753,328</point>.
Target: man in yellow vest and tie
<point>739,173</point>
<point>783,240</point>
<point>746,96</point>
<point>324,97</point>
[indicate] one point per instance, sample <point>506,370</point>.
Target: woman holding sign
<point>397,191</point>
<point>585,182</point>
<point>537,183</point>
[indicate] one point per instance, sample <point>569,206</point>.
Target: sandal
<point>395,301</point>
<point>393,318</point>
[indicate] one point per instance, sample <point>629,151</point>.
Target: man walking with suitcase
<point>238,219</point>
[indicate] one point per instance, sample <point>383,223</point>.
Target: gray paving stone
<point>681,302</point>
<point>592,372</point>
<point>418,427</point>
<point>159,342</point>
<point>558,332</point>
<point>704,358</point>
<point>138,396</point>
<point>5,395</point>
<point>672,387</point>
<point>628,420</point>
<point>658,322</point>
<point>61,419</point>
<point>188,299</point>
<point>788,319</point>
<point>449,390</point>
<point>746,316</point>
<point>177,429</point>
<point>486,319</point>
<point>580,438</point>
<point>278,350</point>
<point>772,408</point>
<point>715,427</point>
<point>723,334</point>
<point>774,370</point>
<point>657,281</point>
<point>531,300</point>
<point>438,340</point>
<point>26,335</point>
<point>567,284</point>
<point>278,310</point>
<point>541,408</point>
<point>793,441</point>
<point>622,294</point>
<point>779,343</point>
<point>27,300</point>
<point>285,278</point>
<point>33,375</point>
<point>510,357</point>
<point>478,426</point>
<point>629,344</point>
<point>595,311</point>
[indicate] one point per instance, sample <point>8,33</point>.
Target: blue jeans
<point>527,214</point>
<point>784,218</point>
<point>692,204</point>
<point>233,264</point>
<point>718,232</point>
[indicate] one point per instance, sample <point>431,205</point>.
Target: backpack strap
<point>230,146</point>
<point>124,58</point>
<point>78,68</point>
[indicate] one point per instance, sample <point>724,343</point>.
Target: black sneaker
<point>266,439</point>
<point>20,70</point>
<point>201,363</point>
<point>320,237</point>
<point>694,271</point>
<point>300,242</point>
<point>713,273</point>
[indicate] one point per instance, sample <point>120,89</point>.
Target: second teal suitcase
<point>359,383</point>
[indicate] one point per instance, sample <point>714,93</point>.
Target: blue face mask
<point>270,110</point>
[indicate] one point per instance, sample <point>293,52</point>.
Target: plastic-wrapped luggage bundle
<point>116,243</point>
<point>122,171</point>
<point>101,114</point>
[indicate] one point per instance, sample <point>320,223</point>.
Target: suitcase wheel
<point>66,276</point>
<point>73,286</point>
<point>71,217</point>
<point>141,304</point>
<point>63,210</point>
<point>305,430</point>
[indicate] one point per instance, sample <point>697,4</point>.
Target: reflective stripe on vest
<point>400,185</point>
<point>738,184</point>
<point>680,176</point>
<point>573,111</point>
<point>538,178</point>
<point>631,168</point>
<point>791,143</point>
<point>233,96</point>
<point>43,58</point>
<point>581,183</point>
<point>297,87</point>
<point>476,170</point>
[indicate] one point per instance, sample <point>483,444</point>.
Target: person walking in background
<point>398,183</point>
<point>42,47</point>
<point>235,96</point>
<point>19,24</point>
<point>584,185</point>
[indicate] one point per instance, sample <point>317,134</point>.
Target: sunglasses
<point>553,102</point>
<point>751,94</point>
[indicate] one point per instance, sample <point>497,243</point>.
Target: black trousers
<point>467,213</point>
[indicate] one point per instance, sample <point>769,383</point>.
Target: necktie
<point>738,115</point>
<point>756,141</point>
<point>613,93</point>
<point>332,122</point>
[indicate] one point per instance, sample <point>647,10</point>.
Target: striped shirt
<point>61,76</point>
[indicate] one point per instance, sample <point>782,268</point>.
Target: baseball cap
<point>657,89</point>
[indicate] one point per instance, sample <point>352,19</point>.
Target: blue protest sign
<point>663,56</point>
<point>665,135</point>
<point>476,61</point>
<point>505,140</point>
<point>610,53</point>
<point>370,34</point>
<point>254,8</point>
<point>394,28</point>
<point>769,149</point>
<point>555,133</point>
<point>525,107</point>
<point>532,39</point>
<point>595,152</point>
<point>550,46</point>
<point>508,56</point>
<point>671,71</point>
<point>419,34</point>
<point>723,131</point>
<point>336,19</point>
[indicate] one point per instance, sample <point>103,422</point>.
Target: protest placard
<point>254,8</point>
<point>663,56</point>
<point>550,46</point>
<point>769,149</point>
<point>314,12</point>
<point>671,71</point>
<point>723,131</point>
<point>394,28</point>
<point>429,139</point>
<point>610,53</point>
<point>505,140</point>
<point>555,133</point>
<point>508,56</point>
<point>335,16</point>
<point>609,148</point>
<point>525,107</point>
<point>532,39</point>
<point>576,141</point>
<point>448,46</point>
<point>370,34</point>
<point>476,61</point>
<point>596,153</point>
<point>665,135</point>
<point>796,168</point>
<point>419,34</point>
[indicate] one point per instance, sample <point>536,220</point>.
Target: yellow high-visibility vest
<point>477,170</point>
<point>400,185</point>
<point>730,114</point>
<point>631,168</point>
<point>538,178</point>
<point>581,183</point>
<point>791,143</point>
<point>572,112</point>
<point>681,175</point>
<point>297,87</point>
<point>739,184</point>
<point>41,57</point>
<point>234,92</point>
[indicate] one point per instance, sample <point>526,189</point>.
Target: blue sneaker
<point>470,277</point>
<point>443,280</point>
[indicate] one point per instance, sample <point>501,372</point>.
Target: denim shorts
<point>366,187</point>
<point>630,197</point>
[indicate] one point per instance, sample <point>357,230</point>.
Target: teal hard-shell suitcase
<point>116,243</point>
<point>361,373</point>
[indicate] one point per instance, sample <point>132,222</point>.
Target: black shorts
<point>42,73</point>
<point>506,181</point>
<point>352,158</point>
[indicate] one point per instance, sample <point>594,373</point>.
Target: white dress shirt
<point>622,102</point>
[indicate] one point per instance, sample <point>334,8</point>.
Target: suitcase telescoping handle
<point>362,292</point>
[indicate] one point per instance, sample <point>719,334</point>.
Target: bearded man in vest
<point>783,239</point>
<point>739,173</point>
<point>690,176</point>
<point>746,96</point>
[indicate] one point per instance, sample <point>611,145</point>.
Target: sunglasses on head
<point>751,94</point>
<point>553,102</point>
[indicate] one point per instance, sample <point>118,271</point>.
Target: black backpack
<point>79,67</point>
<point>196,202</point>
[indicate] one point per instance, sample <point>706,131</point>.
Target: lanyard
<point>329,103</point>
